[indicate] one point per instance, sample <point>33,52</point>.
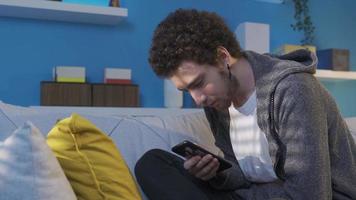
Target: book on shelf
<point>117,81</point>
<point>287,48</point>
<point>74,74</point>
<point>117,76</point>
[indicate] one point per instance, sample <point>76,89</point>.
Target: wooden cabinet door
<point>114,95</point>
<point>65,94</point>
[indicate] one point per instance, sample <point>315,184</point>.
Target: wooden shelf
<point>89,94</point>
<point>340,75</point>
<point>59,11</point>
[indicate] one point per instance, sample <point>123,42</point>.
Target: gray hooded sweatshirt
<point>313,152</point>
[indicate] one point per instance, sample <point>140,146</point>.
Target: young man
<point>270,117</point>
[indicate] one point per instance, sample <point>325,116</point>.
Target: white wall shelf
<point>340,75</point>
<point>272,1</point>
<point>59,11</point>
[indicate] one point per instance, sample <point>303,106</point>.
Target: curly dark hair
<point>190,35</point>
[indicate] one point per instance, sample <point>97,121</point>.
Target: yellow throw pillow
<point>91,161</point>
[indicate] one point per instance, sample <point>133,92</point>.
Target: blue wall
<point>30,48</point>
<point>336,28</point>
<point>335,25</point>
<point>344,92</point>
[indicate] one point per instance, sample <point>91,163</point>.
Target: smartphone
<point>187,149</point>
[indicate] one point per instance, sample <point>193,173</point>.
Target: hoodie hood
<point>271,68</point>
<point>305,58</point>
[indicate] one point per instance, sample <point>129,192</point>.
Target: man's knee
<point>154,154</point>
<point>149,160</point>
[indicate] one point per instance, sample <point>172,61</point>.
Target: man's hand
<point>202,167</point>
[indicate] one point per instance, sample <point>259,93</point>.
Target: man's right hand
<point>203,168</point>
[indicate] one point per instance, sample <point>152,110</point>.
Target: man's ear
<point>222,56</point>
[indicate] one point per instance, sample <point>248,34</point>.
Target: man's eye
<point>200,83</point>
<point>183,90</point>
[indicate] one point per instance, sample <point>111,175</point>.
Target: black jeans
<point>162,176</point>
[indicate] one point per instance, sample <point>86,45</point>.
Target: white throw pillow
<point>29,169</point>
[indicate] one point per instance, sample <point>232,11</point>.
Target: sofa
<point>133,130</point>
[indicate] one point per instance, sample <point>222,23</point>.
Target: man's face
<point>208,85</point>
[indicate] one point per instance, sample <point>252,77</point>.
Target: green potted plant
<point>303,21</point>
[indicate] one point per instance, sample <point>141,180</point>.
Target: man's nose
<point>199,97</point>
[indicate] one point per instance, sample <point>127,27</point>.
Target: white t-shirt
<point>249,143</point>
